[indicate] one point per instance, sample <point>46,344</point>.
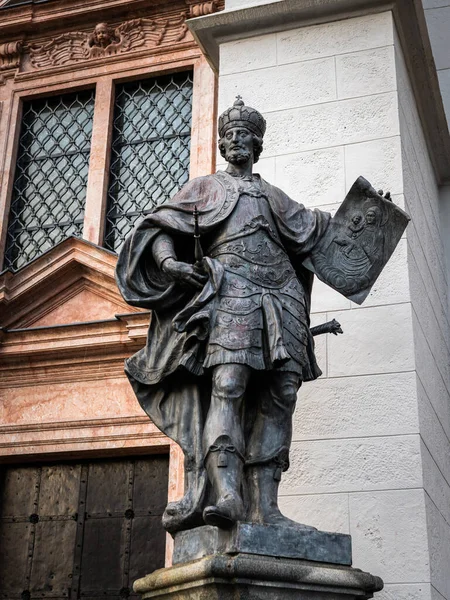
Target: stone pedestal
<point>282,541</point>
<point>260,562</point>
<point>252,577</point>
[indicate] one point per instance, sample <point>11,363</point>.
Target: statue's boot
<point>184,513</point>
<point>263,481</point>
<point>224,465</point>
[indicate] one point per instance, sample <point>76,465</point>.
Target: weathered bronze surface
<point>360,240</point>
<point>230,340</point>
<point>302,543</point>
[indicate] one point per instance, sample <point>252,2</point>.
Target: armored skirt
<point>260,319</point>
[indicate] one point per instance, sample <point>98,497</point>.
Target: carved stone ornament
<point>199,9</point>
<point>105,41</point>
<point>10,55</point>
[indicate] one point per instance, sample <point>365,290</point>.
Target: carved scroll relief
<point>199,9</point>
<point>106,41</point>
<point>10,55</point>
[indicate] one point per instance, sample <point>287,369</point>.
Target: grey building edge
<point>212,30</point>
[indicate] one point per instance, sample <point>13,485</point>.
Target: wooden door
<point>81,530</point>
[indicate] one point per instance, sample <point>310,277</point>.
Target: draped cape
<point>167,375</point>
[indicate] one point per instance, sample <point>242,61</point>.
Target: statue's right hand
<point>184,273</point>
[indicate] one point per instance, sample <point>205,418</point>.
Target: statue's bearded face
<point>237,145</point>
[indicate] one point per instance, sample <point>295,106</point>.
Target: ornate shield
<point>358,242</point>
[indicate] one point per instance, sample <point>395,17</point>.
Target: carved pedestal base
<point>283,541</point>
<point>252,577</point>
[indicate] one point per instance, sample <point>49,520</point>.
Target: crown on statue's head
<point>240,115</point>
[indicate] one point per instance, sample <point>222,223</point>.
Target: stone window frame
<point>103,78</point>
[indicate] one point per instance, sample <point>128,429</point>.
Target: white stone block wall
<point>331,96</point>
<point>428,275</point>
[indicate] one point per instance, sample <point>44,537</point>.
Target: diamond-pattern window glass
<point>150,150</point>
<point>49,191</point>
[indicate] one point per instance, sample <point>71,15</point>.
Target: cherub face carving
<point>103,35</point>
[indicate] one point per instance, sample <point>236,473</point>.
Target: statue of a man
<point>229,343</point>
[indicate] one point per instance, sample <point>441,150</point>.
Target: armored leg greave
<point>224,445</point>
<point>224,464</point>
<point>268,447</point>
<point>263,480</point>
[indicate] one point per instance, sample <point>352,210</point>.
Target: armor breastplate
<point>256,257</point>
<point>254,245</point>
<point>252,212</point>
<point>248,243</point>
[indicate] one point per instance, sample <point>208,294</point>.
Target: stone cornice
<point>49,17</point>
<point>75,352</point>
<point>46,18</point>
<point>75,339</point>
<point>136,433</point>
<point>211,30</point>
<point>84,424</point>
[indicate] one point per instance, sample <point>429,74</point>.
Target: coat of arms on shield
<point>358,242</point>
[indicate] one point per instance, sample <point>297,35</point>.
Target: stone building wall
<point>437,13</point>
<point>369,450</point>
<point>428,275</point>
<point>432,299</point>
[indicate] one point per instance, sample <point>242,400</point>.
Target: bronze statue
<point>230,342</point>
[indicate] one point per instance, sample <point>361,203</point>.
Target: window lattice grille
<point>49,191</point>
<point>150,150</point>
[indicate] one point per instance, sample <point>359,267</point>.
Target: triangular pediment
<point>71,283</point>
<point>85,305</point>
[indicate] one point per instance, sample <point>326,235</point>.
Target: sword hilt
<point>198,252</point>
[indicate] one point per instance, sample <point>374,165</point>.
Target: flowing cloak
<point>177,401</point>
